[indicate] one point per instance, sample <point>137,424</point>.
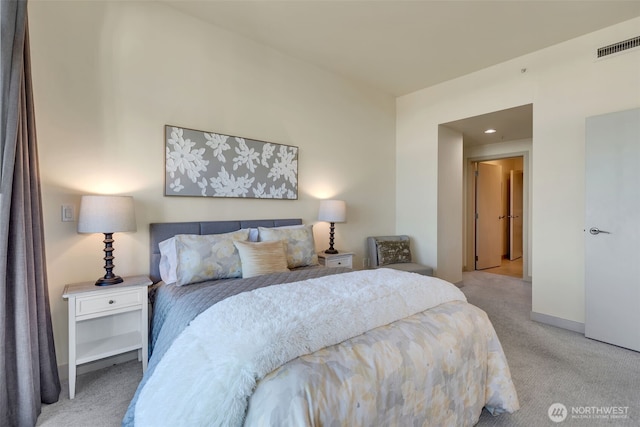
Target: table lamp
<point>108,215</point>
<point>332,211</point>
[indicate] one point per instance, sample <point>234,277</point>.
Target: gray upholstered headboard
<point>163,230</point>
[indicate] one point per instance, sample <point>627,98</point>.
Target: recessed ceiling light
<point>490,131</point>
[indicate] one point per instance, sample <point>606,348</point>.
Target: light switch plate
<point>68,213</point>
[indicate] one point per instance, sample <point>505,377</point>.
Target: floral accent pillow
<point>301,248</point>
<point>393,252</point>
<point>208,257</point>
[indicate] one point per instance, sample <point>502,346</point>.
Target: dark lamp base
<point>109,278</point>
<point>331,251</point>
<point>103,281</point>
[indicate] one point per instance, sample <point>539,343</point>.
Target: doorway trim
<point>469,210</point>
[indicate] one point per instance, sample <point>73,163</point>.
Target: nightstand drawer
<point>344,261</point>
<point>341,259</point>
<point>113,301</point>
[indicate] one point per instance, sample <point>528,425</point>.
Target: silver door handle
<point>596,230</point>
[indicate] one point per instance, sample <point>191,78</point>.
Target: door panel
<point>488,208</point>
<point>612,261</point>
<point>515,215</point>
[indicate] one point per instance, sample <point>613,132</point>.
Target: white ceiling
<point>402,46</point>
<point>510,125</point>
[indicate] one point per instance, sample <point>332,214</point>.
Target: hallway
<point>507,268</point>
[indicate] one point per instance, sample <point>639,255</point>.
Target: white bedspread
<point>212,368</point>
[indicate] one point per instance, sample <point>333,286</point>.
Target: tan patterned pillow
<point>393,252</point>
<point>301,248</point>
<point>262,257</point>
<point>208,257</point>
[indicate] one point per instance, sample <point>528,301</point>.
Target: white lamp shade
<point>106,214</point>
<point>332,211</point>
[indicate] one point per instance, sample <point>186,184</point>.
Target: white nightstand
<point>105,321</point>
<point>342,259</point>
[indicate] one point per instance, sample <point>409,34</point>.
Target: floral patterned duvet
<point>435,368</point>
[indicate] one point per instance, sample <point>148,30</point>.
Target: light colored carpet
<point>101,398</point>
<point>548,365</point>
<point>552,365</point>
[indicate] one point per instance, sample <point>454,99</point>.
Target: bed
<point>310,345</point>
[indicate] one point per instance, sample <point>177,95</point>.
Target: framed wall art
<point>209,164</point>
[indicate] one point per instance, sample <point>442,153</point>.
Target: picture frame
<point>210,164</point>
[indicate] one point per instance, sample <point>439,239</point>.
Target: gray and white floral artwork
<point>210,164</point>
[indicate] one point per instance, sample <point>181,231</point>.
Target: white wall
<point>565,84</point>
<point>109,75</point>
<point>450,196</point>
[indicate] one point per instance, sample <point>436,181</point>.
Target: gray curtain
<point>28,368</point>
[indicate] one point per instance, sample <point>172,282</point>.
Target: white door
<point>515,214</point>
<point>612,234</point>
<point>488,216</point>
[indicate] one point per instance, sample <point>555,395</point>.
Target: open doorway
<point>498,189</point>
<point>486,137</point>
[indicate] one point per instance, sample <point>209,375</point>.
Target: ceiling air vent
<point>619,47</point>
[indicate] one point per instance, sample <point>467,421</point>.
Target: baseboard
<point>63,370</point>
<point>558,322</point>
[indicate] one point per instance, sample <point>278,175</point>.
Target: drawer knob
<point>111,301</point>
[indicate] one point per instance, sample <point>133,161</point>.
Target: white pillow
<point>301,248</point>
<point>253,234</point>
<point>262,257</point>
<point>168,260</point>
<point>208,257</point>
